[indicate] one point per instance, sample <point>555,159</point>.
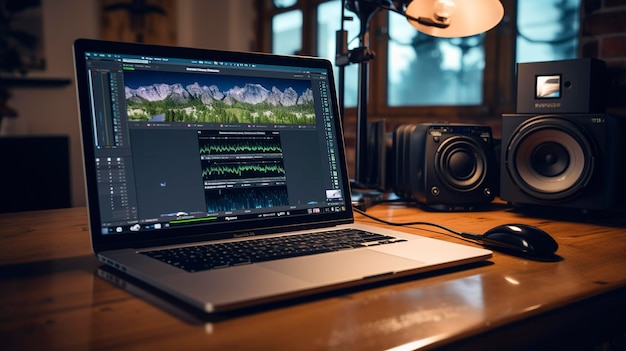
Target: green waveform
<point>240,169</point>
<point>237,148</point>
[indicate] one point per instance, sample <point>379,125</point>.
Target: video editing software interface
<point>181,141</point>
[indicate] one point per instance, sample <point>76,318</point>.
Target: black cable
<point>465,235</point>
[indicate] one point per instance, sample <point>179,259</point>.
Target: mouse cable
<point>475,237</point>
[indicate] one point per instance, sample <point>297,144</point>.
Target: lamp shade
<point>470,17</point>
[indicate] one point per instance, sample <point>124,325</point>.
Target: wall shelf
<point>12,82</point>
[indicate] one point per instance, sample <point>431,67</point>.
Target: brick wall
<point>603,36</point>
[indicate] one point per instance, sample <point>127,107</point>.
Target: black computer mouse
<point>521,239</point>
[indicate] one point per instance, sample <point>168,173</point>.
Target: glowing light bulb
<point>444,9</point>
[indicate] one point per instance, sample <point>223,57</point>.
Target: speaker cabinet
<point>567,161</point>
<point>445,166</point>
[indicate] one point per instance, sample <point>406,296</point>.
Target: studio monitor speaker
<point>562,160</point>
<point>445,166</point>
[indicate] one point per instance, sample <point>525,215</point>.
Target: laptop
<point>220,178</point>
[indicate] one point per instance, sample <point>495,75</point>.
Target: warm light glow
<point>443,9</point>
<point>469,17</point>
<point>512,280</point>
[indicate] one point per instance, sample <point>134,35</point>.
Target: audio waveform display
<point>258,169</point>
<point>242,171</point>
<point>224,146</point>
<point>246,198</point>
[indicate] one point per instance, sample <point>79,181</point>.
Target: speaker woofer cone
<point>550,158</point>
<point>461,163</point>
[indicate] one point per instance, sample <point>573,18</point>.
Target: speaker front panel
<point>446,164</point>
<point>558,160</point>
<point>461,163</point>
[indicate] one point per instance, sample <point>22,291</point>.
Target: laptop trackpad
<point>341,266</point>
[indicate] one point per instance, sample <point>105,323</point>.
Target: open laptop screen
<point>178,138</point>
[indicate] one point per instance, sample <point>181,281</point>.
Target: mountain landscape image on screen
<point>240,103</point>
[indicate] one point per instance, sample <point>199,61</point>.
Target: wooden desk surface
<point>51,296</point>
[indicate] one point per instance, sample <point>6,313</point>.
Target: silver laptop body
<point>185,148</point>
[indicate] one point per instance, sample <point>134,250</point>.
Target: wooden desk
<point>51,297</point>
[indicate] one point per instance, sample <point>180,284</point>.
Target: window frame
<point>498,83</point>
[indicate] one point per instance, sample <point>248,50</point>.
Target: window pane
<point>547,30</point>
<point>287,33</point>
<point>425,70</point>
<point>328,23</point>
<point>284,3</point>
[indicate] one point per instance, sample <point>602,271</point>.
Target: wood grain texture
<point>52,297</point>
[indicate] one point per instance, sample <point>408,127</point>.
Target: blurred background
<point>414,77</point>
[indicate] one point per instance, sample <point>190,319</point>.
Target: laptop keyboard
<point>216,256</point>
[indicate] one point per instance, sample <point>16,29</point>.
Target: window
<point>425,70</point>
<point>547,30</point>
<point>329,22</point>
<point>287,33</point>
<point>284,3</point>
<point>414,72</point>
